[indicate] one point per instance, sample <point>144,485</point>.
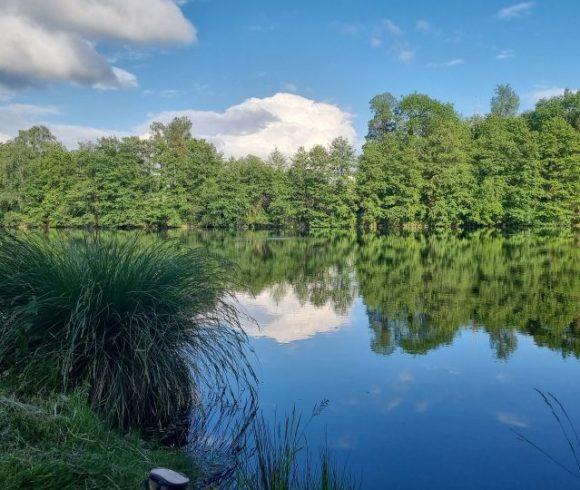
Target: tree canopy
<point>505,101</point>
<point>422,164</point>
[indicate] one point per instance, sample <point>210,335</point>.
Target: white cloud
<point>21,116</point>
<point>447,64</point>
<point>505,54</point>
<point>14,117</point>
<point>123,79</point>
<point>71,135</point>
<point>11,111</point>
<point>375,41</point>
<point>545,93</point>
<point>405,55</point>
<point>136,21</point>
<point>257,126</point>
<point>43,42</point>
<point>454,62</point>
<point>392,28</point>
<point>515,11</point>
<point>422,26</point>
<point>31,54</point>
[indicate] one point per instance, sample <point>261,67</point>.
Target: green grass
<point>58,442</point>
<point>143,323</point>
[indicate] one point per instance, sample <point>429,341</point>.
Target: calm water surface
<point>429,350</point>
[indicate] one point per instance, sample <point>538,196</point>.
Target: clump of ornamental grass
<point>145,324</point>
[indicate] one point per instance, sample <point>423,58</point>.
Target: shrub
<point>144,323</point>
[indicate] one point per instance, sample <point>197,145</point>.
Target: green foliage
<point>505,101</point>
<point>447,175</point>
<point>389,184</point>
<point>35,172</point>
<point>383,109</point>
<point>566,106</point>
<point>322,187</point>
<point>58,442</point>
<point>111,181</point>
<point>422,165</point>
<point>418,172</point>
<point>145,324</point>
<point>560,174</point>
<point>506,170</point>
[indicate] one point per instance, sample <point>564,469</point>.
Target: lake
<point>429,350</point>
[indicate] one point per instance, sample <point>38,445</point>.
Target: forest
<point>422,165</point>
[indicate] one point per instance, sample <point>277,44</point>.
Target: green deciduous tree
<point>560,173</point>
<point>566,106</point>
<point>505,101</point>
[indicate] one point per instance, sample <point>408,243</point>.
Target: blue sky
<point>203,57</point>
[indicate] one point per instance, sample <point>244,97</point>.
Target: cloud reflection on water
<point>285,319</point>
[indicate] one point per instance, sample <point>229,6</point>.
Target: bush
<point>143,323</point>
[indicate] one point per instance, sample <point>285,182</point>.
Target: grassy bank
<point>57,441</point>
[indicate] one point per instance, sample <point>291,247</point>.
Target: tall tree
<point>505,101</point>
<point>506,171</point>
<point>112,183</point>
<point>342,168</point>
<point>187,169</point>
<point>384,110</point>
<point>29,165</point>
<point>560,171</point>
<point>447,177</point>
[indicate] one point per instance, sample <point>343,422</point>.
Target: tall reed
<point>277,458</point>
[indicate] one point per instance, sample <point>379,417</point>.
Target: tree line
<point>422,165</point>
